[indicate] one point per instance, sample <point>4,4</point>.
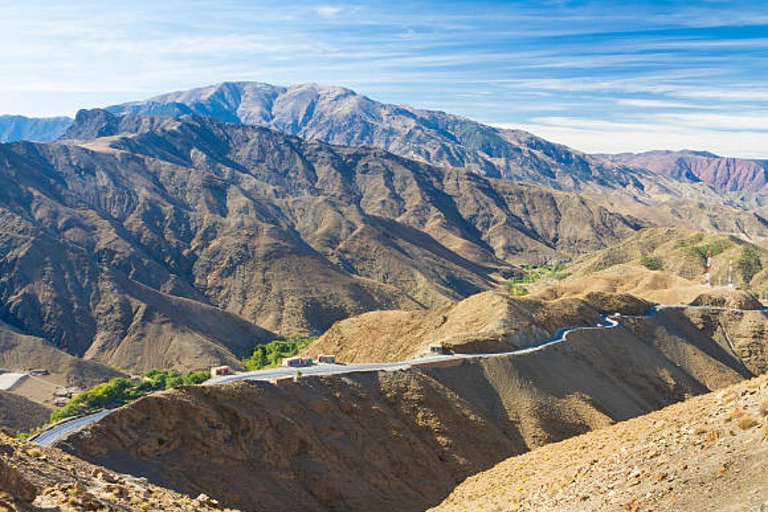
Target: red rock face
<point>725,174</point>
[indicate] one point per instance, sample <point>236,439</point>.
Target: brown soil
<point>20,414</point>
<point>727,298</point>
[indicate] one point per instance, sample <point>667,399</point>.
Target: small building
<point>297,362</point>
<point>219,371</point>
<point>39,372</point>
<point>326,358</point>
<point>438,349</point>
<point>60,401</point>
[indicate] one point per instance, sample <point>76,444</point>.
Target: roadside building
<point>326,358</point>
<point>218,371</point>
<point>437,349</point>
<point>297,362</point>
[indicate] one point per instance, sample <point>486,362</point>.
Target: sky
<point>600,76</point>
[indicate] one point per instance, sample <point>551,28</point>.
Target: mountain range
<point>175,233</point>
<point>208,237</point>
<point>340,116</point>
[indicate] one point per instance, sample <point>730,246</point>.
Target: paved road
<point>62,430</point>
<point>58,433</point>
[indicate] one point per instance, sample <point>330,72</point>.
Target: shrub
<point>516,290</point>
<point>272,354</point>
<point>749,263</point>
<point>652,262</point>
<point>120,391</point>
<point>746,422</point>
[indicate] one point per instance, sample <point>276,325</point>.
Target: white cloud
<point>598,136</point>
<point>329,10</point>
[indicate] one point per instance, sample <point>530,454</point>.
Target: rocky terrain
<point>706,454</point>
<point>341,116</point>
<point>402,440</point>
<point>484,323</point>
<point>34,479</point>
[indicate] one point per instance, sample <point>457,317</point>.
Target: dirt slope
<point>488,322</point>
<point>706,454</point>
<point>402,440</point>
<point>19,414</point>
<point>19,352</point>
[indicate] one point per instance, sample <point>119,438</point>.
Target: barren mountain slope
<point>706,454</point>
<point>14,128</point>
<point>675,256</point>
<point>492,321</point>
<point>19,352</point>
<point>341,116</point>
<point>402,440</point>
<point>190,232</point>
<point>734,175</point>
<point>19,414</point>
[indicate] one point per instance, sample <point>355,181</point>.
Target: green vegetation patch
<point>652,262</point>
<point>749,263</point>
<point>517,290</point>
<point>272,354</point>
<point>121,391</point>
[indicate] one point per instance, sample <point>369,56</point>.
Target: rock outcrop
<point>34,479</point>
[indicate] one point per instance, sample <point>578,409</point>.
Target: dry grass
<point>713,436</point>
<point>736,414</point>
<point>764,407</point>
<point>747,421</point>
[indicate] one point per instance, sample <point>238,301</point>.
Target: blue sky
<point>600,76</point>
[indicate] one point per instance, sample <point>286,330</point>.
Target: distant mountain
<point>733,176</point>
<point>149,242</point>
<point>341,116</point>
<point>15,128</point>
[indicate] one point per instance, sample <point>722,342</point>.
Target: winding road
<point>60,431</point>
